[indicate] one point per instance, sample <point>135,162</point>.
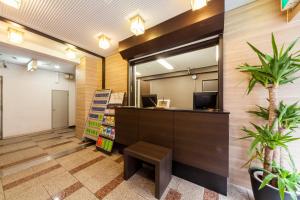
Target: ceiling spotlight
<point>15,36</point>
<point>13,3</point>
<point>137,25</point>
<point>104,42</point>
<point>56,66</point>
<point>164,63</point>
<point>70,53</point>
<point>32,66</point>
<point>197,4</point>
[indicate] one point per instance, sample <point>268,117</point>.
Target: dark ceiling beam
<point>187,27</point>
<point>49,37</point>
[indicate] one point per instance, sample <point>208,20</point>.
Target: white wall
<point>27,99</point>
<point>180,89</point>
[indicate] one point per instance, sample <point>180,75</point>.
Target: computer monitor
<point>205,100</point>
<point>149,100</point>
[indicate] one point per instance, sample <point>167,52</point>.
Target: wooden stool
<point>158,156</point>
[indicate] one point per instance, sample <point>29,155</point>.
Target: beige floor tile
<point>62,148</point>
<point>36,192</point>
<point>124,192</point>
<point>59,182</point>
<point>14,147</point>
<point>1,191</point>
<point>44,178</point>
<point>235,193</point>
<point>97,175</point>
<point>189,190</point>
<point>20,189</point>
<point>31,170</point>
<point>20,155</point>
<point>82,194</point>
<point>48,143</point>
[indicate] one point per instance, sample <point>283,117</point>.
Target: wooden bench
<point>158,156</point>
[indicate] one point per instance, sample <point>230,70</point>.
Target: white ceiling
<point>80,22</point>
<point>196,59</point>
<point>22,57</point>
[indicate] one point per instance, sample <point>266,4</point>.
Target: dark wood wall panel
<point>199,141</point>
<point>156,127</point>
<point>127,126</point>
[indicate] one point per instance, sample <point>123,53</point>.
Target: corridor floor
<point>55,165</point>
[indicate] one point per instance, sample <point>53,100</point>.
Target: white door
<point>60,109</point>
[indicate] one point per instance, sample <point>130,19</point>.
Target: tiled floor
<point>55,165</point>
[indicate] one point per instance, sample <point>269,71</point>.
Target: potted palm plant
<point>274,176</point>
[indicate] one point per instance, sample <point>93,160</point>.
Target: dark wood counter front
<point>199,139</point>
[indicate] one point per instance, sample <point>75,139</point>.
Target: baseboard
<point>201,177</point>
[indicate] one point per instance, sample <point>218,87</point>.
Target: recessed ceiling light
<point>56,66</point>
<point>197,4</point>
<point>70,53</point>
<point>104,42</point>
<point>164,63</point>
<point>137,25</point>
<point>15,35</point>
<point>13,3</point>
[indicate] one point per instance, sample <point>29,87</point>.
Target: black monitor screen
<point>205,100</point>
<point>149,100</point>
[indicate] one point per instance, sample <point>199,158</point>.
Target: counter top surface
<point>215,111</point>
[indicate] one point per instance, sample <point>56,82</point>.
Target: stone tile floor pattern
<point>29,170</point>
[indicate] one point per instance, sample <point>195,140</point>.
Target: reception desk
<point>199,140</point>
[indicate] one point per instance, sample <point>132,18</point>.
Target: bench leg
<point>131,165</point>
<point>163,175</point>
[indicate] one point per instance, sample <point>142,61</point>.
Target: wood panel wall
<point>116,73</point>
<point>88,79</point>
<point>254,23</point>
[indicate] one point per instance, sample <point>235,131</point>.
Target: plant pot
<point>268,192</point>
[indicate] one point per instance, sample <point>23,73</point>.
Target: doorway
<point>60,109</point>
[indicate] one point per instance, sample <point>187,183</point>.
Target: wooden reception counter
<point>199,140</point>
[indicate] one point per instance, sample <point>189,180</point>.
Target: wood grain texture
<point>116,73</point>
<point>254,23</point>
<point>201,141</point>
<point>88,79</point>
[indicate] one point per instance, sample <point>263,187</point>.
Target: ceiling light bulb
<point>104,42</point>
<point>164,63</point>
<point>15,36</point>
<point>197,4</point>
<point>137,25</point>
<point>138,73</point>
<point>13,3</point>
<point>70,54</point>
<point>56,66</point>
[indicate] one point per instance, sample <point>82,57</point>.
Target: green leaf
<point>266,180</point>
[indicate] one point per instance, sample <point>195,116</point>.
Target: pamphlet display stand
<point>107,129</point>
<point>95,118</point>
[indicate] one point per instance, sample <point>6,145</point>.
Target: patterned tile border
<point>210,195</point>
<point>15,142</point>
<point>105,190</point>
<point>22,161</point>
<point>120,159</point>
<point>85,165</point>
<point>16,150</point>
<point>67,192</point>
<point>30,177</point>
<point>173,195</point>
<point>56,145</point>
<point>46,139</point>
